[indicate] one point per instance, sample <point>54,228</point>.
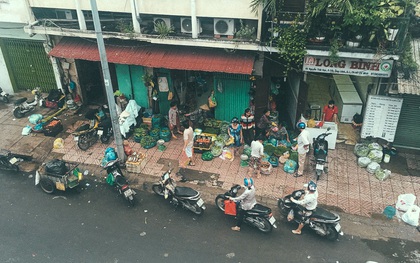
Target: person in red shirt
<point>330,112</point>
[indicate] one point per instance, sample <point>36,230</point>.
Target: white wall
<point>15,11</point>
<point>205,8</point>
<point>5,83</point>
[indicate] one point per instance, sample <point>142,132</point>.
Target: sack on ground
<point>290,166</point>
<point>290,215</point>
<point>26,130</point>
<point>376,156</point>
<point>375,146</point>
<point>266,168</point>
<point>35,118</point>
<point>382,175</point>
<point>372,167</point>
<point>58,143</point>
<point>230,208</point>
<point>405,201</point>
<point>361,150</point>
<point>363,161</point>
<point>412,215</point>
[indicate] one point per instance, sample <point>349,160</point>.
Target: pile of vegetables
<point>147,142</point>
<point>165,134</point>
<point>139,133</point>
<point>216,150</point>
<point>207,156</point>
<point>155,133</point>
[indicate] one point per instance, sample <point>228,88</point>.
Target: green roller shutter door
<point>234,99</point>
<point>408,123</point>
<point>28,65</point>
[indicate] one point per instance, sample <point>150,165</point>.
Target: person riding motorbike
<point>309,202</point>
<point>247,202</point>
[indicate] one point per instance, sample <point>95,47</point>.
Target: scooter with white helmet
<point>22,106</point>
<point>323,222</point>
<point>259,216</point>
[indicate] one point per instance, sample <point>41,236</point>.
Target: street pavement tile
<point>354,206</point>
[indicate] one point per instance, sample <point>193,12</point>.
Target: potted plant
<point>163,30</point>
<point>245,32</point>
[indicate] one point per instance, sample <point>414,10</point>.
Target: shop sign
<point>349,66</point>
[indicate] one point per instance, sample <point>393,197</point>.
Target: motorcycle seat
<point>120,180</point>
<point>185,191</point>
<point>21,100</point>
<point>261,209</point>
<point>323,214</point>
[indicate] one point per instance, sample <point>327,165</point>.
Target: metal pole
<point>107,81</point>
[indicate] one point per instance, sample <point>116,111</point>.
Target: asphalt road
<point>94,224</point>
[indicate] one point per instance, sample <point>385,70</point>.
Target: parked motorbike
<point>320,145</point>
<point>185,197</point>
<point>99,128</point>
<point>22,106</point>
<point>259,216</point>
<point>121,184</point>
<point>4,96</point>
<point>323,222</point>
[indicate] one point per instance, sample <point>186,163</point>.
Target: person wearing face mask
<point>330,112</point>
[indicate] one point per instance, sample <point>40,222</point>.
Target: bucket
<point>387,157</point>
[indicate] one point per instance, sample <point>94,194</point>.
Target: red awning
<point>159,56</point>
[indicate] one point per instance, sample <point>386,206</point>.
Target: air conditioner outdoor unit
<point>224,26</point>
<point>165,20</point>
<point>186,25</point>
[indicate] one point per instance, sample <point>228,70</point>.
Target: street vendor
<point>198,116</point>
<point>278,133</point>
<point>330,112</point>
<point>174,123</point>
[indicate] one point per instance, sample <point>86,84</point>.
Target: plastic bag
<point>412,215</point>
<point>405,201</point>
<point>389,212</point>
<point>363,161</point>
<point>266,168</point>
<point>230,208</point>
<point>372,167</point>
<point>375,155</point>
<point>361,150</point>
<point>35,118</point>
<point>290,215</point>
<point>58,143</point>
<point>56,166</point>
<point>375,146</point>
<point>290,166</point>
<point>26,130</point>
<point>382,175</point>
<point>311,123</point>
<point>110,179</point>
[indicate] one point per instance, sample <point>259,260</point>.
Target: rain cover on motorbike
<point>56,166</point>
<point>185,191</point>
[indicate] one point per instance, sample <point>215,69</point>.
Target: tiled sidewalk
<point>347,186</point>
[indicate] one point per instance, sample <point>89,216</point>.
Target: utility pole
<point>107,81</point>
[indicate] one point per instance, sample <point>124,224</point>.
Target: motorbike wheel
<point>130,199</point>
<point>158,189</point>
<point>220,202</point>
<point>105,139</point>
<point>6,99</point>
<point>318,174</point>
<point>18,113</point>
<point>263,225</point>
<point>332,234</point>
<point>197,210</point>
<point>47,185</point>
<point>283,210</point>
<point>83,142</point>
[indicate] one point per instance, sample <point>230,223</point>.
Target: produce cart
<point>59,175</point>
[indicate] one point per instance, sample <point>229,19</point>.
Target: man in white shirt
<point>257,151</point>
<point>309,202</point>
<point>303,147</point>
